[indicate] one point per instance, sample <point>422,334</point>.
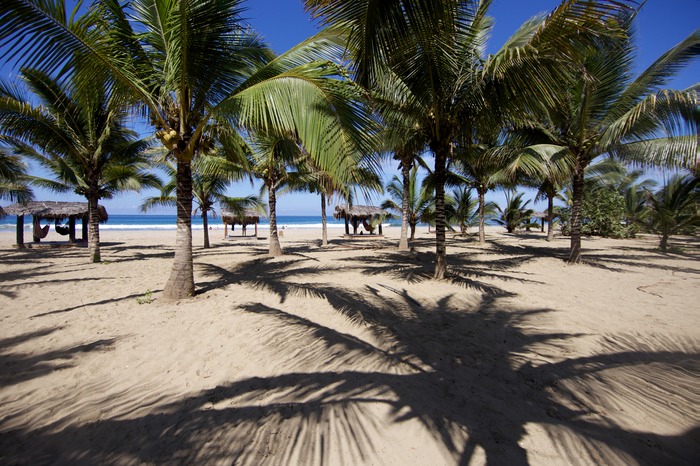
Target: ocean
<point>167,222</point>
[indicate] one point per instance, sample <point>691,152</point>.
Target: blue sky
<point>660,25</point>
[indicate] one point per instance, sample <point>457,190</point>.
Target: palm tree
<point>211,175</point>
<point>435,50</point>
<point>187,62</point>
<point>13,181</point>
<point>601,110</point>
<point>80,137</point>
<point>515,212</point>
<point>675,207</point>
<point>278,160</point>
<point>409,208</point>
<point>466,211</point>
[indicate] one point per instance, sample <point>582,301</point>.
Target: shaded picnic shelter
<point>244,218</point>
<point>57,212</point>
<point>359,214</point>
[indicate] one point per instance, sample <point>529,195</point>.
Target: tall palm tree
<point>211,176</point>
<point>675,207</point>
<point>602,110</point>
<point>79,136</point>
<point>184,63</point>
<point>436,50</point>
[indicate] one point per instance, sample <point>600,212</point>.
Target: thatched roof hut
<point>53,210</point>
<point>359,213</point>
<point>245,218</point>
<point>56,211</point>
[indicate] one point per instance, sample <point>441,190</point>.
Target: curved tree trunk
<point>180,284</point>
<point>205,224</point>
<point>413,231</point>
<point>324,226</point>
<point>482,208</point>
<point>576,215</point>
<point>663,245</point>
<point>94,228</point>
<point>441,154</point>
<point>275,247</point>
<point>406,173</point>
<point>550,218</point>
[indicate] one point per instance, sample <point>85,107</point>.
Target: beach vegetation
<point>674,208</point>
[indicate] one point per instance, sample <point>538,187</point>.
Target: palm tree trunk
<point>482,208</point>
<point>94,228</point>
<point>413,231</point>
<point>324,226</point>
<point>275,247</point>
<point>663,245</point>
<point>550,217</point>
<point>576,216</point>
<point>205,224</point>
<point>441,153</point>
<point>180,284</point>
<point>406,173</point>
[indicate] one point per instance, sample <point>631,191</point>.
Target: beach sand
<point>351,354</point>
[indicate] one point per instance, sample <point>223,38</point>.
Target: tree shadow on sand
<point>477,375</point>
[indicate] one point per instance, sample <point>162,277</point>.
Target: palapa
<point>359,213</point>
<point>245,218</point>
<point>56,211</point>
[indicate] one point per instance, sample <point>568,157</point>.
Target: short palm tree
<point>466,210</point>
<point>411,208</point>
<point>515,213</point>
<point>674,208</point>
<point>80,137</point>
<point>183,64</point>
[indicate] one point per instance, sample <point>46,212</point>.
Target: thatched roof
<point>537,214</point>
<point>359,211</point>
<point>54,210</point>
<point>249,216</point>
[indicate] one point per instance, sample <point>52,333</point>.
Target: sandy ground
<point>351,354</point>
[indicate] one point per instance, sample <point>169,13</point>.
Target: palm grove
<point>382,79</point>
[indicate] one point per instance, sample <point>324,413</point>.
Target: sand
<point>351,354</point>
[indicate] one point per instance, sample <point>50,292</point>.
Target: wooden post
<point>225,230</point>
<point>256,229</point>
<point>380,228</point>
<point>71,229</point>
<point>85,228</point>
<point>20,231</point>
<point>347,229</point>
<point>36,226</point>
<point>542,228</point>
